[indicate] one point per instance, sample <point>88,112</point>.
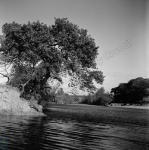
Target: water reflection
<point>55,133</point>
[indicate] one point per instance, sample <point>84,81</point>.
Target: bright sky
<point>112,23</point>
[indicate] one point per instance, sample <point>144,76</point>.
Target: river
<point>65,130</point>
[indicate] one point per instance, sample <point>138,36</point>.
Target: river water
<point>54,132</point>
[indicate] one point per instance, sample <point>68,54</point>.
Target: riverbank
<point>12,104</point>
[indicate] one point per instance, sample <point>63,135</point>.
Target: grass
<point>101,114</point>
<point>134,106</point>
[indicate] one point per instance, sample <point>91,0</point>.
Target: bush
<point>89,99</point>
<point>145,100</point>
<point>103,100</point>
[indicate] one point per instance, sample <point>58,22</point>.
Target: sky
<point>120,29</point>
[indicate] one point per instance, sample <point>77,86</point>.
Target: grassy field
<point>118,115</point>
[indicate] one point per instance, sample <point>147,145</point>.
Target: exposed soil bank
<point>12,104</point>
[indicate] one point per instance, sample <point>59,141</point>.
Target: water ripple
<point>46,133</point>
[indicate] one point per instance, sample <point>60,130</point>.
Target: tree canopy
<point>37,53</point>
<point>132,92</point>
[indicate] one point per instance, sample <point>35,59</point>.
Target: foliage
<point>38,52</point>
<point>65,98</point>
<point>89,99</point>
<point>145,100</point>
<point>132,92</point>
<point>99,92</point>
<point>99,98</point>
<point>103,99</point>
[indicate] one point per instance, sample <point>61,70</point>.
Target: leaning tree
<point>37,52</point>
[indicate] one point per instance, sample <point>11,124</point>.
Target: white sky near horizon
<point>110,22</point>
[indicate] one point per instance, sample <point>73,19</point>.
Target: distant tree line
<point>136,91</point>
<point>100,97</point>
<point>56,95</point>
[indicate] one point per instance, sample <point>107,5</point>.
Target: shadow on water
<point>69,132</point>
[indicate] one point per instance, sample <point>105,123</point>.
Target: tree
<point>102,98</point>
<point>99,98</point>
<point>3,63</point>
<point>38,52</point>
<point>120,93</point>
<point>99,92</point>
<point>132,92</point>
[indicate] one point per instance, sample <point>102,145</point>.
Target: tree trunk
<point>32,87</point>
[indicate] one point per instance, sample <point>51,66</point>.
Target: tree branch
<point>23,88</point>
<point>5,75</point>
